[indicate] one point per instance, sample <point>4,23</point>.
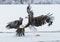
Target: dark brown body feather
<point>39,20</point>
<point>15,24</point>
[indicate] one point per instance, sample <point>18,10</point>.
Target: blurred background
<point>30,1</point>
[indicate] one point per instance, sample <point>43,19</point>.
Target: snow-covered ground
<point>30,37</point>
<point>13,12</point>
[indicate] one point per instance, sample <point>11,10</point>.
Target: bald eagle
<point>16,25</point>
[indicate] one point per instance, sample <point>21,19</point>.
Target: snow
<point>30,37</point>
<point>10,13</point>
